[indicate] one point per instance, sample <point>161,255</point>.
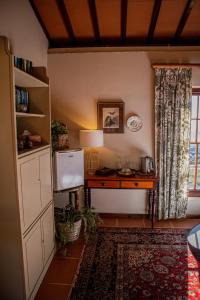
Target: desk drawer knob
<point>102,183</point>
<point>136,183</point>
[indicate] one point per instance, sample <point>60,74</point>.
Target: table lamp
<point>91,139</point>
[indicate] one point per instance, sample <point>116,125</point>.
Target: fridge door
<point>68,169</point>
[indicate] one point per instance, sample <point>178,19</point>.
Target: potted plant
<point>59,133</point>
<point>68,223</point>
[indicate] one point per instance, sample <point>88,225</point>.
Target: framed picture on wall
<point>110,116</point>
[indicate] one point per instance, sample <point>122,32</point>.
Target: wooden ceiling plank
<point>183,20</point>
<point>124,7</point>
<point>32,3</point>
<point>65,17</point>
<point>93,14</point>
<point>154,18</point>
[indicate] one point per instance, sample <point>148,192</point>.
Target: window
<point>194,171</point>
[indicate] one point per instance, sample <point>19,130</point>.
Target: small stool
<point>74,195</point>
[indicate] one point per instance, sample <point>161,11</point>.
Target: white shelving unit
<point>26,152</point>
<point>26,206</point>
<point>28,115</point>
<point>26,80</point>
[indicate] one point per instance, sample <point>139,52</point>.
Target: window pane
<point>198,170</point>
<point>199,107</point>
<point>198,133</point>
<point>192,166</point>
<point>194,106</point>
<point>191,178</point>
<point>192,154</point>
<point>193,131</point>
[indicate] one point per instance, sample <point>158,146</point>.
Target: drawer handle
<point>102,183</point>
<point>136,183</point>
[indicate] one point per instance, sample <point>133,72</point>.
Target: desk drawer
<point>136,184</point>
<point>103,184</point>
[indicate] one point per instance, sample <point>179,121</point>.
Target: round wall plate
<point>134,123</point>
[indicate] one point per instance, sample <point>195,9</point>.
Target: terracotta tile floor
<point>62,272</point>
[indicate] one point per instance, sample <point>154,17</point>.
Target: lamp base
<point>92,162</point>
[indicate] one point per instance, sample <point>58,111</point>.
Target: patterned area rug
<point>128,264</point>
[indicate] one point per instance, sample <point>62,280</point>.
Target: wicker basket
<point>72,234</point>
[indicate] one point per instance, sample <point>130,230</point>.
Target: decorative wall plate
<point>134,123</point>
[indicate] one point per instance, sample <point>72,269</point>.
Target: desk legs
<point>152,201</point>
<point>87,197</point>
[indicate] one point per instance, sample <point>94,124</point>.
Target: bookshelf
<point>28,115</point>
<point>26,206</point>
<point>27,80</point>
<point>37,119</point>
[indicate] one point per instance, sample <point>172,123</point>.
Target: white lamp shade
<point>91,138</point>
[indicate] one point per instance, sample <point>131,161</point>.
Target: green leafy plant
<point>66,218</point>
<point>59,133</point>
<point>57,127</point>
<point>68,214</point>
<point>91,220</point>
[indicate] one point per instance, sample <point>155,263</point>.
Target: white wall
<point>78,80</point>
<point>18,22</point>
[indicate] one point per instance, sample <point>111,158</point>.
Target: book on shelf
<point>22,100</point>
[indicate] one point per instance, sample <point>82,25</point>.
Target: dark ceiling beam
<point>66,20</point>
<point>154,18</point>
<point>116,42</point>
<point>124,7</point>
<point>40,20</point>
<point>183,20</point>
<point>93,14</point>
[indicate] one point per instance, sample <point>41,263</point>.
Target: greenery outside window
<point>194,171</point>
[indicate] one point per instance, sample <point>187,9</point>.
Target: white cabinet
<point>45,178</point>
<point>34,185</point>
<point>48,233</point>
<point>30,189</point>
<point>26,219</point>
<point>33,260</point>
<point>38,247</point>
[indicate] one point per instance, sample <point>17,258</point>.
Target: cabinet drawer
<point>137,184</point>
<point>103,184</point>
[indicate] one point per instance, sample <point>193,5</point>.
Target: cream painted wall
<point>18,22</point>
<point>78,81</point>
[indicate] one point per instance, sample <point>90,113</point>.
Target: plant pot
<point>60,141</point>
<point>68,234</point>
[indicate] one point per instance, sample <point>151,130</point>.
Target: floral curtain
<point>173,91</point>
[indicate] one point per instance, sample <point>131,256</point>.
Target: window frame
<point>194,192</point>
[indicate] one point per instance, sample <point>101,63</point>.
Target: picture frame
<point>110,116</point>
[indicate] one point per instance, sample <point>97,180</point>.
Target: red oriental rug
<point>128,264</point>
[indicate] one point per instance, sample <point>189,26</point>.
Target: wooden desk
<point>144,182</point>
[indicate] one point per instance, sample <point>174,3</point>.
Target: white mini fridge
<point>68,169</point>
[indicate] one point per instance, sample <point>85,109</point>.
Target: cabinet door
<point>33,258</point>
<point>30,187</point>
<point>48,232</point>
<point>45,178</point>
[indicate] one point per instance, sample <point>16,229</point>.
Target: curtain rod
<point>174,65</point>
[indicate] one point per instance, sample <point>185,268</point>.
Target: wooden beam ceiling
<point>57,18</point>
<point>124,7</point>
<point>186,13</point>
<point>154,18</point>
<point>93,14</point>
<point>66,19</point>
